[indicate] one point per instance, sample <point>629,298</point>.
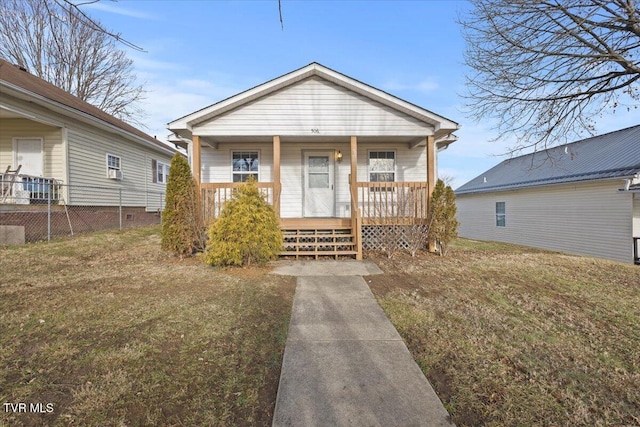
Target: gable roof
<point>48,95</point>
<point>443,127</point>
<point>612,155</point>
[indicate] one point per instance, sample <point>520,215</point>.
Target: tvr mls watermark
<point>32,408</point>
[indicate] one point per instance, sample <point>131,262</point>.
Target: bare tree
<point>53,41</point>
<point>547,69</point>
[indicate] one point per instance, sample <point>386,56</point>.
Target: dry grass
<point>113,332</point>
<point>510,336</point>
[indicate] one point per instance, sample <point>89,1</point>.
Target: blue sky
<point>199,52</point>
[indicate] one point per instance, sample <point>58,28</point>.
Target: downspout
<point>629,181</point>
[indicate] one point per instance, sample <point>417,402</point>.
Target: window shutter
<point>154,171</point>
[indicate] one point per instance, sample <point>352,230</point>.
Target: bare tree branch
<point>55,44</point>
<point>545,70</point>
<point>92,23</point>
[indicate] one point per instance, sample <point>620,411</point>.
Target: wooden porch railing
<point>215,194</point>
<point>392,202</point>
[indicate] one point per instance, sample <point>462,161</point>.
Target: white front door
<point>319,193</point>
<point>28,153</point>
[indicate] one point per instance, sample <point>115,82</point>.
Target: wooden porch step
<point>335,240</point>
<point>345,243</point>
<point>318,254</point>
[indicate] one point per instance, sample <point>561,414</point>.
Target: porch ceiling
<point>333,139</point>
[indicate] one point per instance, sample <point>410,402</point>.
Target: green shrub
<point>246,232</point>
<point>182,226</point>
<point>443,225</point>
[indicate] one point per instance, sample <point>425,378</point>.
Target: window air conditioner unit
<point>115,174</point>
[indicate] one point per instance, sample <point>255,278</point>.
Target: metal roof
<point>612,155</point>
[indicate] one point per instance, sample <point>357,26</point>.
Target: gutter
<point>582,177</point>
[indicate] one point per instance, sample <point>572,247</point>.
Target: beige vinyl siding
<point>585,218</point>
<point>81,159</point>
<point>53,146</point>
<point>155,191</point>
<point>314,104</point>
<point>88,149</point>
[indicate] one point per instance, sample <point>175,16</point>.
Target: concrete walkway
<point>344,363</point>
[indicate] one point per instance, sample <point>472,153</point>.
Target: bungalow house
<point>336,157</point>
<point>57,149</point>
<point>581,198</point>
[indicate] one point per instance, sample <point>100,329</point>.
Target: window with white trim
<point>382,168</point>
<point>501,214</point>
<point>245,164</point>
<point>162,172</point>
<point>113,163</point>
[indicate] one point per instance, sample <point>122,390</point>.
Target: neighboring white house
<point>581,198</point>
<point>89,169</point>
<point>304,135</point>
<point>56,137</point>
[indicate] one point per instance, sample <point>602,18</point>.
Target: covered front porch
<point>321,209</point>
<point>331,153</point>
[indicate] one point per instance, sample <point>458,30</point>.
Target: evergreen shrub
<point>246,232</point>
<point>443,225</point>
<point>182,226</point>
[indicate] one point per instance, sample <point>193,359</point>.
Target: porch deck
<point>373,204</point>
<point>314,223</point>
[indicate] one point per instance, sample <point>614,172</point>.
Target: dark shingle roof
<point>612,155</point>
<point>19,77</point>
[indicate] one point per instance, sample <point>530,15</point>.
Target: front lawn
<point>512,336</point>
<point>107,330</point>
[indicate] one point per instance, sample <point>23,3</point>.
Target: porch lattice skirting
<point>375,237</point>
<point>340,242</point>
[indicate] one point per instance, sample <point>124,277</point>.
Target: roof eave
<point>81,116</point>
<point>532,184</point>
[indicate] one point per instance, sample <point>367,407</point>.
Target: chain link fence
<point>40,209</point>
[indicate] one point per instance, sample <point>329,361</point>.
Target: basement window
<point>501,214</point>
